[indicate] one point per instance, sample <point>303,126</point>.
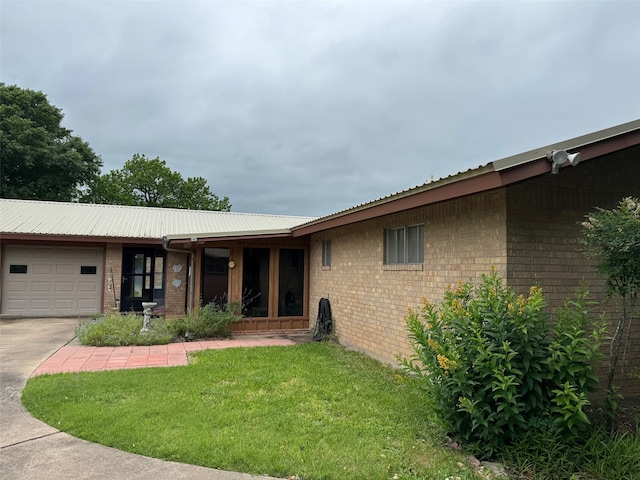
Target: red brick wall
<point>369,301</point>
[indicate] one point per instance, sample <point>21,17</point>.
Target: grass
<point>598,455</point>
<point>313,410</point>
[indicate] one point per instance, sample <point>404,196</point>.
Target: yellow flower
<point>443,362</point>
<point>433,344</point>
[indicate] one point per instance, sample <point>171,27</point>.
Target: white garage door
<point>51,280</point>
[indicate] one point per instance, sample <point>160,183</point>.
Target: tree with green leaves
<point>150,182</point>
<point>39,158</point>
<point>612,237</point>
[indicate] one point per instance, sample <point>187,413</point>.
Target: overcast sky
<point>308,108</point>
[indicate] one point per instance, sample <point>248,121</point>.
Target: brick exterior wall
<point>543,216</point>
<point>112,275</point>
<point>175,283</point>
<point>369,301</point>
<point>527,231</point>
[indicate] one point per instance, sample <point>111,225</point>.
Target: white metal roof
<point>30,217</point>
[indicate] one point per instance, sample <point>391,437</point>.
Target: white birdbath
<point>148,310</point>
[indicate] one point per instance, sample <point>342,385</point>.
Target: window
<point>158,273</point>
<point>291,283</point>
<point>255,281</point>
<point>17,269</point>
<point>88,270</point>
<point>326,253</point>
<point>215,275</point>
<point>404,245</point>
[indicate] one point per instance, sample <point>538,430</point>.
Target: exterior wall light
<point>559,157</point>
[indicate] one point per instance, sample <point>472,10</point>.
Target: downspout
<point>165,246</point>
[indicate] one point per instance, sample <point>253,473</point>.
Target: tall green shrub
<point>612,237</point>
<point>493,367</point>
<point>212,320</point>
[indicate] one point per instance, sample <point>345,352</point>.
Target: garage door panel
<point>54,282</point>
<point>64,287</point>
<point>40,304</point>
<point>41,286</point>
<point>67,254</point>
<point>90,254</point>
<point>17,286</point>
<point>88,304</point>
<point>87,287</point>
<point>65,269</point>
<point>41,269</point>
<point>42,252</point>
<point>64,304</point>
<point>16,305</point>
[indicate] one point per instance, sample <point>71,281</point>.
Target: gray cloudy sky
<point>308,108</point>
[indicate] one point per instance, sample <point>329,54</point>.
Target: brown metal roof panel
<point>529,164</point>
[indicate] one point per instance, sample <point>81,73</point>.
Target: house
<point>519,215</point>
<point>79,259</point>
<point>375,260</point>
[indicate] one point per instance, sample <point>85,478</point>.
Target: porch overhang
<point>203,238</point>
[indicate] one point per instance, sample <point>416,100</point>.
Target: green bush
<point>494,367</point>
<point>208,321</point>
<point>117,330</point>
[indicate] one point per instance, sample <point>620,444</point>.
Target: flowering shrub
<point>494,368</point>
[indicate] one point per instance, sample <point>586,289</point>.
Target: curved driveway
<point>30,449</point>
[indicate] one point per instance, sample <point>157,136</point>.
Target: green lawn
<point>315,410</point>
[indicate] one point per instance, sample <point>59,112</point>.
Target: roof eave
<point>493,175</point>
<point>619,131</point>
<point>40,237</point>
<point>483,179</point>
<point>200,237</point>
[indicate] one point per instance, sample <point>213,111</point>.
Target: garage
<point>50,280</point>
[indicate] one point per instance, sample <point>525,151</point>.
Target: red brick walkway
<point>72,358</point>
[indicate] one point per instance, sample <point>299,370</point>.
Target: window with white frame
<point>404,245</point>
<point>326,253</point>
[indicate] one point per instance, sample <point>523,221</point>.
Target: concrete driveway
<point>30,449</point>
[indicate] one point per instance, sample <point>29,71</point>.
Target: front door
<point>142,278</point>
